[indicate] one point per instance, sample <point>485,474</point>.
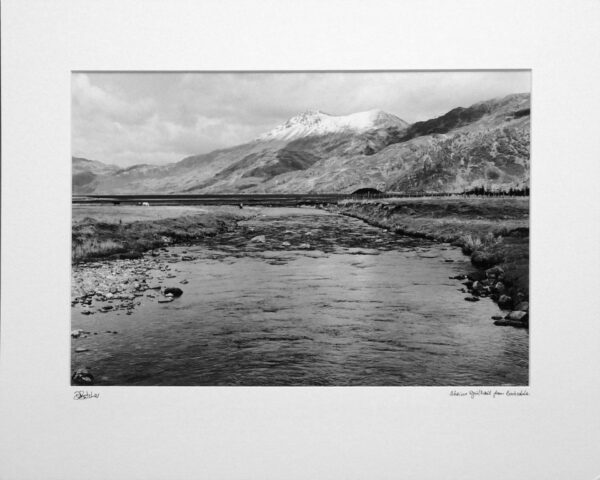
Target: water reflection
<point>361,307</point>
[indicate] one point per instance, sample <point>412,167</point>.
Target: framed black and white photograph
<point>299,240</point>
<point>230,235</point>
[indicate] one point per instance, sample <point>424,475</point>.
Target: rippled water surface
<point>360,307</point>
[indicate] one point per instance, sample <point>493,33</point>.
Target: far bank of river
<point>494,232</point>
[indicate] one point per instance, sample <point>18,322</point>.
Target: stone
<point>175,291</point>
<point>471,299</point>
<point>76,333</point>
<point>165,300</point>
<point>505,302</point>
<point>285,244</point>
<point>82,376</point>
<point>494,272</point>
<point>184,282</point>
<point>517,316</point>
<point>499,287</point>
<point>258,239</point>
<point>523,306</point>
<point>458,277</point>
<point>510,323</point>
<point>81,349</point>
<point>497,317</point>
<point>305,246</point>
<point>476,276</point>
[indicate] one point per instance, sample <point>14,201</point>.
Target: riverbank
<point>114,232</point>
<point>494,232</point>
<point>119,253</point>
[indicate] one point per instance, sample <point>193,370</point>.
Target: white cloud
<point>156,118</point>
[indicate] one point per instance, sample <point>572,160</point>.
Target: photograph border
<point>406,432</point>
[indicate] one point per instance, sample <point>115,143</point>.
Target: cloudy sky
<point>155,118</point>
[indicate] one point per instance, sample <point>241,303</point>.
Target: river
<point>324,300</point>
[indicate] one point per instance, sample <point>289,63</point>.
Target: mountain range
<point>486,144</point>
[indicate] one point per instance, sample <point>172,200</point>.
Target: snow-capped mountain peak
<point>316,122</point>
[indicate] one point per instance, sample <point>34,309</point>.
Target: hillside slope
<point>486,144</point>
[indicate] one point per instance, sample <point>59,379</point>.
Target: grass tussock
<point>472,243</point>
<point>92,247</point>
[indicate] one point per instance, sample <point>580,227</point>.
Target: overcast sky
<point>155,118</point>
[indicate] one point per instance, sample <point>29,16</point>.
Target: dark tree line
<point>511,192</point>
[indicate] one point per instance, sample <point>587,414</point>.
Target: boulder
<point>505,302</point>
<point>471,299</point>
<point>76,333</point>
<point>476,276</point>
<point>285,244</point>
<point>258,239</point>
<point>305,246</point>
<point>458,277</point>
<point>510,323</point>
<point>175,291</point>
<point>518,316</point>
<point>494,272</point>
<point>82,376</point>
<point>523,306</point>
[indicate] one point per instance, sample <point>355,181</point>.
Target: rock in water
<point>523,306</point>
<point>81,349</point>
<point>175,291</point>
<point>258,239</point>
<point>505,301</point>
<point>82,376</point>
<point>518,316</point>
<point>76,333</point>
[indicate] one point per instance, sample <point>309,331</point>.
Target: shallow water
<point>360,307</point>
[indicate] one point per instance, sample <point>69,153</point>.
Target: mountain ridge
<point>484,144</point>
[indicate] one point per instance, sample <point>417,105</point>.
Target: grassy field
<point>134,213</point>
<point>494,231</point>
<point>114,232</point>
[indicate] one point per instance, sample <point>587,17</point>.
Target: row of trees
<point>511,192</point>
